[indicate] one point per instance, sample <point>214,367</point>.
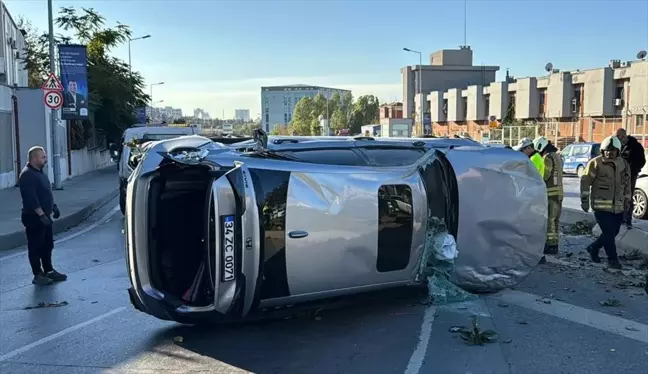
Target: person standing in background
<point>553,177</point>
<point>526,146</point>
<point>605,185</point>
<point>633,152</point>
<point>38,206</point>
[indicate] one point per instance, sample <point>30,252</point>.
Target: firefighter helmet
<point>540,143</point>
<point>611,143</point>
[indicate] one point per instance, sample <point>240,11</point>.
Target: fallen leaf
<point>456,328</point>
<point>178,340</point>
<point>507,341</point>
<point>544,300</point>
<point>95,260</point>
<point>523,322</point>
<point>94,302</point>
<point>503,305</point>
<point>630,328</point>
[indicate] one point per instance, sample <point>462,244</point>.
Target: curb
<point>628,240</point>
<point>18,239</point>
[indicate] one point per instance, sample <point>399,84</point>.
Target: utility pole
<point>55,151</point>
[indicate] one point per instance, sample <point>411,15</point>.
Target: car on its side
<point>218,235</point>
<point>576,156</point>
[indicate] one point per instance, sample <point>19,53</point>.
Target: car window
<point>328,156</point>
<point>566,151</point>
<point>596,149</point>
<point>581,150</point>
<point>393,157</point>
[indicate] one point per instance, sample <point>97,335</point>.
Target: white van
<point>124,153</point>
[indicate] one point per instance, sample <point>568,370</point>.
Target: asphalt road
<point>551,323</point>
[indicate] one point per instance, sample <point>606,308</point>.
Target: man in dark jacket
<point>38,206</point>
<point>633,152</point>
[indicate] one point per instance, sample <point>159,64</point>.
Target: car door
<point>236,240</point>
<point>566,152</point>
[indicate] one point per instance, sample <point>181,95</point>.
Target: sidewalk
<point>78,199</point>
<point>628,240</point>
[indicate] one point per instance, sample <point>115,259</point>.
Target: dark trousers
<point>40,242</point>
<point>627,215</point>
<point>610,224</point>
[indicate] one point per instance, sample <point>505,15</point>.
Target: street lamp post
<point>420,85</point>
<point>130,68</point>
<point>55,151</point>
<point>151,96</point>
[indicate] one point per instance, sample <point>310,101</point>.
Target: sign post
<point>53,99</point>
<point>54,127</point>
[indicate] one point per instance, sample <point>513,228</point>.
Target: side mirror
<point>260,138</point>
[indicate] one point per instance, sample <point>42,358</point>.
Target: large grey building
<point>447,69</point>
<point>278,102</point>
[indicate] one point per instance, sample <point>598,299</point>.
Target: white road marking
<point>59,334</point>
<point>101,221</point>
<point>418,356</point>
<point>591,318</point>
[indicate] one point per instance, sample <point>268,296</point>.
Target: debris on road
<point>610,302</point>
<point>475,336</point>
<point>436,265</point>
<point>579,228</point>
<point>43,304</point>
<point>544,300</point>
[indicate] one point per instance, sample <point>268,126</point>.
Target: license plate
<point>227,270</point>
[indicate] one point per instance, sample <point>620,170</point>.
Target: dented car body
<point>214,234</point>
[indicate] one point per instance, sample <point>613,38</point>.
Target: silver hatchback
<point>214,234</point>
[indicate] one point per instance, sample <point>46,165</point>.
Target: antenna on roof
<point>465,21</point>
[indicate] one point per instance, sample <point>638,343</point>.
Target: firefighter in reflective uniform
<point>553,174</point>
<point>605,185</point>
<point>526,146</point>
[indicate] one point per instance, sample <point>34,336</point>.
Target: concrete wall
<point>499,99</point>
<point>638,85</point>
<point>599,92</point>
<point>455,104</point>
<point>436,106</point>
<point>7,140</point>
<point>34,126</point>
<point>526,98</point>
<point>559,94</point>
<point>85,161</point>
<point>476,104</point>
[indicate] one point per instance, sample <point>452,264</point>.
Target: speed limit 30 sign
<point>53,99</point>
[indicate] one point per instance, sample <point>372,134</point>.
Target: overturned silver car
<point>216,234</point>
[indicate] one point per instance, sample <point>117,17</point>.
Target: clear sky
<point>216,54</point>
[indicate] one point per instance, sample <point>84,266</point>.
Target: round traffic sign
<point>53,99</point>
<point>492,118</point>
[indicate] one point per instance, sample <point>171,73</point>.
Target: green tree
<point>36,55</point>
<point>304,117</point>
<point>113,92</point>
<point>365,112</point>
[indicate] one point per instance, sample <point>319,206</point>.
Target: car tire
<point>122,201</point>
<point>579,170</point>
<point>640,202</point>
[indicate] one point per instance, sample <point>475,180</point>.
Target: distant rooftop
<point>300,87</point>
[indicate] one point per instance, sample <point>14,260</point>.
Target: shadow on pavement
<point>371,335</point>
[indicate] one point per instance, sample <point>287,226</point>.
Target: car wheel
<point>122,201</point>
<point>640,202</point>
<point>579,170</point>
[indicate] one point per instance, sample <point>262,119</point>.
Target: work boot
<point>594,254</point>
<point>543,260</point>
<point>55,276</point>
<point>629,225</point>
<point>42,280</point>
<point>614,264</point>
<point>551,250</point>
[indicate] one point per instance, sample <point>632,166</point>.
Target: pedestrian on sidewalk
<point>38,207</point>
<point>553,177</point>
<point>633,152</point>
<point>606,185</point>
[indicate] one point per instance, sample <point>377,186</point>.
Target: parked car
<point>214,234</point>
<point>576,156</point>
<point>640,195</point>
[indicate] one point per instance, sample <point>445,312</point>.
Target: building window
<point>285,117</point>
<point>267,119</point>
<point>464,109</point>
<point>576,101</point>
<point>541,103</point>
<point>487,105</point>
<point>639,121</point>
<point>445,106</point>
<point>619,93</point>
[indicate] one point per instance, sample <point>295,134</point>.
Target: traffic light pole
<point>55,151</point>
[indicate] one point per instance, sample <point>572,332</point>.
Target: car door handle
<point>297,234</point>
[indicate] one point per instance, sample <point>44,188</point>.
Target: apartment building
<point>585,105</point>
<point>278,102</point>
